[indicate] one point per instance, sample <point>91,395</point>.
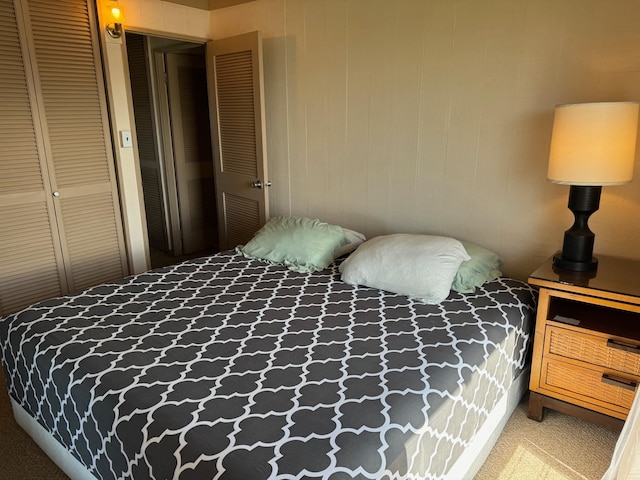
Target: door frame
<point>122,120</point>
<point>162,120</point>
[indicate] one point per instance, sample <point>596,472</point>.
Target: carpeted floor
<point>20,457</point>
<point>559,448</point>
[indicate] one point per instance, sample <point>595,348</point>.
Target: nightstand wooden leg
<point>536,407</point>
<point>538,402</point>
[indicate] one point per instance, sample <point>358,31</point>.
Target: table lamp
<point>592,144</point>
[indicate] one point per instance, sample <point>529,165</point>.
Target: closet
<point>60,225</point>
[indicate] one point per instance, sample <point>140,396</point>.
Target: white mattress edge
<point>465,467</point>
<point>54,450</point>
<point>478,451</point>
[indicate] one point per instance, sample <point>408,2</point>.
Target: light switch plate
<point>125,139</point>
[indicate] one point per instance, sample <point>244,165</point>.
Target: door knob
<point>56,194</point>
<point>259,184</point>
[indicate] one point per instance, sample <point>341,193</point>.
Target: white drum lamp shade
<point>593,143</point>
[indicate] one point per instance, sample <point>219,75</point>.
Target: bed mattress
<point>225,367</point>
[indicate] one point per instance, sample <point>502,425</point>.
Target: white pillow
<point>419,266</point>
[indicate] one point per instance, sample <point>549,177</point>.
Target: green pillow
<point>484,266</point>
<point>301,244</point>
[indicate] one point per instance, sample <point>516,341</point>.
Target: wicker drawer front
<point>592,349</point>
<point>585,384</point>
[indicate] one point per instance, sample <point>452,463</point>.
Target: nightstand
<point>586,351</point>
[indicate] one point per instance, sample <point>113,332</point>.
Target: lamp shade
<point>113,12</point>
<point>593,143</point>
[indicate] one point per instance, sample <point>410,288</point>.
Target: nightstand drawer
<point>600,350</point>
<point>588,385</point>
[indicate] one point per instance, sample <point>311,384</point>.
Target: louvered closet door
<point>154,200</point>
<point>237,97</point>
<point>60,228</point>
<point>74,116</point>
<point>69,80</point>
<point>31,262</point>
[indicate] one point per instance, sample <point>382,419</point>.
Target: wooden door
<point>236,96</point>
<point>191,135</point>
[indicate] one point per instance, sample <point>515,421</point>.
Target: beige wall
<point>170,18</point>
<point>435,116</point>
<point>432,116</point>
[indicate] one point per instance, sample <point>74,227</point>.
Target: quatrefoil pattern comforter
<point>224,367</point>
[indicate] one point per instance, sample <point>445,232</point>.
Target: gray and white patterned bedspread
<point>224,367</point>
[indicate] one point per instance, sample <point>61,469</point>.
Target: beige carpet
<point>20,457</point>
<point>559,448</point>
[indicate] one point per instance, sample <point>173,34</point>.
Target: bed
<point>232,367</point>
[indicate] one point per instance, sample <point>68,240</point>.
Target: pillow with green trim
<point>301,244</point>
<point>418,266</point>
<point>484,266</point>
